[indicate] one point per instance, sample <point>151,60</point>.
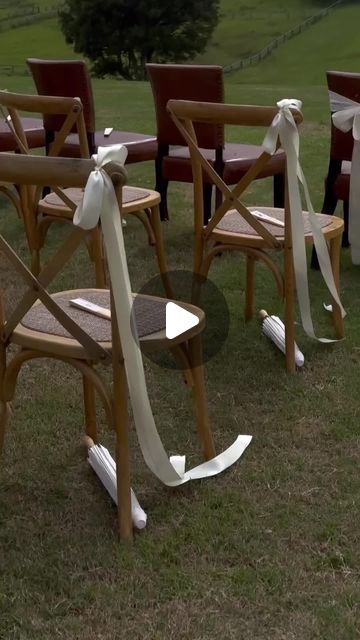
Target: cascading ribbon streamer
<point>284,129</point>
<point>99,203</point>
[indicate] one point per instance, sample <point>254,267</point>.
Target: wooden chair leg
<point>121,424</point>
<point>121,427</point>
<point>196,286</point>
<point>180,354</point>
<point>4,419</point>
<point>160,251</point>
<point>97,252</point>
<point>249,288</point>
<point>289,311</point>
<point>35,262</point>
<point>13,194</point>
<point>90,409</point>
<point>199,397</point>
<point>144,219</point>
<point>335,250</point>
<point>4,406</point>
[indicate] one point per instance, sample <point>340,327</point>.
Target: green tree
<point>120,36</point>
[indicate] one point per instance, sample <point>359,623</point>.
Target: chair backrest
<point>71,112</point>
<point>33,170</point>
<point>348,86</point>
<point>64,78</point>
<point>203,83</point>
<point>185,114</point>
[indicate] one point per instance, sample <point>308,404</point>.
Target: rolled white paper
<point>274,329</point>
<point>105,468</point>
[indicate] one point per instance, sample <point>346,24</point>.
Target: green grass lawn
<point>43,37</point>
<point>304,59</point>
<point>268,550</point>
<point>246,27</point>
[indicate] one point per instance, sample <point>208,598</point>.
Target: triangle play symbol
<point>178,320</point>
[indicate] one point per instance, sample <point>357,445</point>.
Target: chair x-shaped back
<point>236,227</point>
<point>37,223</point>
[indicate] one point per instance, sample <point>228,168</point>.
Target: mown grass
<point>268,550</point>
<point>331,43</point>
<point>43,37</point>
<point>246,27</point>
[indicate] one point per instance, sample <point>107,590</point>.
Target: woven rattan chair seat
<point>130,194</point>
<point>233,222</point>
<point>150,314</point>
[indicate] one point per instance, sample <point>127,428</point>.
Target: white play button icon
<point>178,320</point>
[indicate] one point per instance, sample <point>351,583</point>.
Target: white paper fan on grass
<point>274,329</point>
<point>104,466</point>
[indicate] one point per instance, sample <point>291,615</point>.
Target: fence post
<point>266,51</point>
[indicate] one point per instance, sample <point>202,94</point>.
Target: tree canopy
<point>120,36</point>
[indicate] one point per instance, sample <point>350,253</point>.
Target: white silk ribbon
<point>99,203</point>
<point>284,129</point>
<point>339,102</point>
<point>347,118</point>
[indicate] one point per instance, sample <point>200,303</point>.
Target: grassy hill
<point>42,39</point>
<point>304,59</point>
<point>244,28</point>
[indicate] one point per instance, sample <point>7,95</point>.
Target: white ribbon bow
<point>347,118</point>
<point>100,202</point>
<point>284,128</point>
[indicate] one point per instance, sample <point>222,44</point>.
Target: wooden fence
<point>274,44</point>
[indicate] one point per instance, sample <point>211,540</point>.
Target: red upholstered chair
<point>337,181</point>
<point>203,83</point>
<point>71,78</point>
<point>33,129</point>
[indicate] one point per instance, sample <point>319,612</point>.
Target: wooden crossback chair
<point>30,203</point>
<point>39,213</point>
<point>234,225</point>
<point>45,325</point>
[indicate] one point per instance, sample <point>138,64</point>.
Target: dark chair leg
<point>330,200</point>
<point>345,238</point>
<point>218,198</point>
<point>207,194</point>
<point>279,191</point>
<point>161,186</point>
<point>314,260</point>
<point>329,206</point>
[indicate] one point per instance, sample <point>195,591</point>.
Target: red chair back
<point>200,83</point>
<point>65,78</point>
